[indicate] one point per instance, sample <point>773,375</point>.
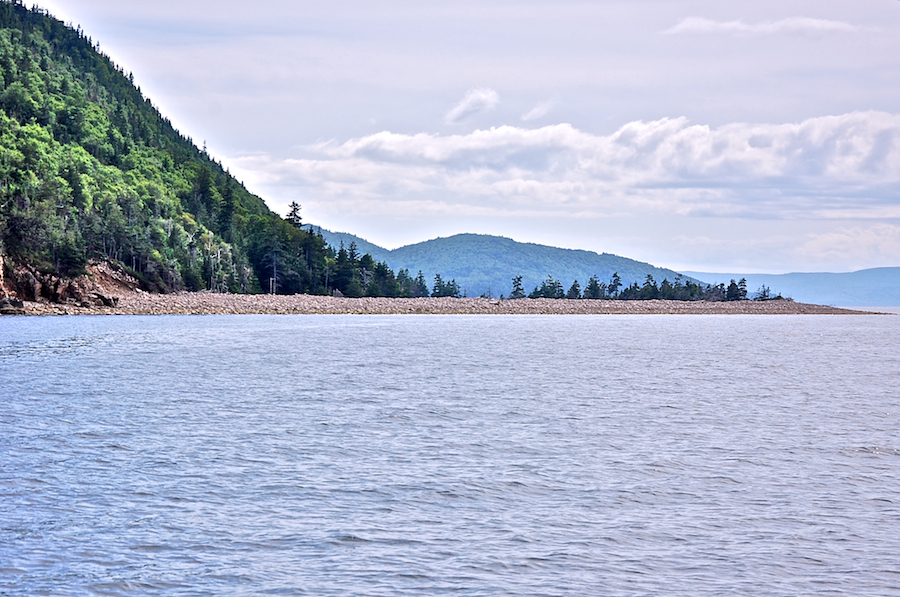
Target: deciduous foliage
<point>89,169</point>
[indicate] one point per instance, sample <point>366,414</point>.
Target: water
<point>405,455</point>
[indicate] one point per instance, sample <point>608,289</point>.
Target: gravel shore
<point>207,303</point>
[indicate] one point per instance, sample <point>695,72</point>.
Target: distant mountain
<point>866,288</point>
<point>486,264</point>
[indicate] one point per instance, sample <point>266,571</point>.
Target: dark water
<point>612,455</point>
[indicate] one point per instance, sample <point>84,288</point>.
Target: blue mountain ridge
<point>877,287</point>
<point>483,264</point>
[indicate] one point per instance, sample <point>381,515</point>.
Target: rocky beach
<point>209,303</point>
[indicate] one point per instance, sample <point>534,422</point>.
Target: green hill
<point>90,170</point>
<point>486,264</point>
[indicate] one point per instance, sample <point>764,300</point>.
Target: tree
<point>667,290</point>
<point>594,289</point>
<point>649,290</point>
<point>517,291</point>
<point>381,280</point>
<point>345,277</point>
<point>420,286</point>
<point>574,291</point>
<point>204,201</point>
<point>226,213</point>
<point>765,294</point>
<point>294,215</point>
<point>445,289</point>
<point>549,288</point>
<point>614,285</point>
<point>438,288</point>
<point>736,291</point>
<point>405,282</point>
<point>412,287</point>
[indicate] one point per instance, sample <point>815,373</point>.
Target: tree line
<point>681,289</point>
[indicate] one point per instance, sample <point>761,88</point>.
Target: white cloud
<point>539,111</point>
<point>832,167</point>
<point>878,244</point>
<point>794,25</point>
<point>476,101</point>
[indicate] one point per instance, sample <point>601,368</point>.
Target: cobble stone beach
<point>208,303</point>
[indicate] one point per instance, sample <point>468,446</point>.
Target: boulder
<point>11,306</point>
<point>104,301</point>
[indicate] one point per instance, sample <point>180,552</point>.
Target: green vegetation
<point>681,290</point>
<point>482,264</point>
<point>89,169</point>
<point>441,288</point>
<point>348,274</point>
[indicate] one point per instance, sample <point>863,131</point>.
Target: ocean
<point>465,455</point>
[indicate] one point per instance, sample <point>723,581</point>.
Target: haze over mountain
<point>876,287</point>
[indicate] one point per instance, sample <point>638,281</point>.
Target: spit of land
<point>209,303</point>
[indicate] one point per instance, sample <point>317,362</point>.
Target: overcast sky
<point>716,136</point>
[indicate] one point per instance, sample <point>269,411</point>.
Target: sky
<point>698,135</point>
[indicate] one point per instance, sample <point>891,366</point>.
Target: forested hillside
<point>483,264</point>
<point>90,170</point>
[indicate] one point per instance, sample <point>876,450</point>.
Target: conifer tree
<point>517,291</point>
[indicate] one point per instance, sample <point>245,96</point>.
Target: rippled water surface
<point>383,455</point>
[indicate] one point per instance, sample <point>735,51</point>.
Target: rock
<point>105,301</point>
<point>11,303</point>
<point>90,289</point>
<point>12,306</point>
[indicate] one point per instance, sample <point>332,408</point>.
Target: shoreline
<point>208,303</point>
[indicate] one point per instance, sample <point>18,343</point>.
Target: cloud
<point>539,111</point>
<point>794,25</point>
<point>833,167</point>
<point>879,244</point>
<point>476,101</point>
